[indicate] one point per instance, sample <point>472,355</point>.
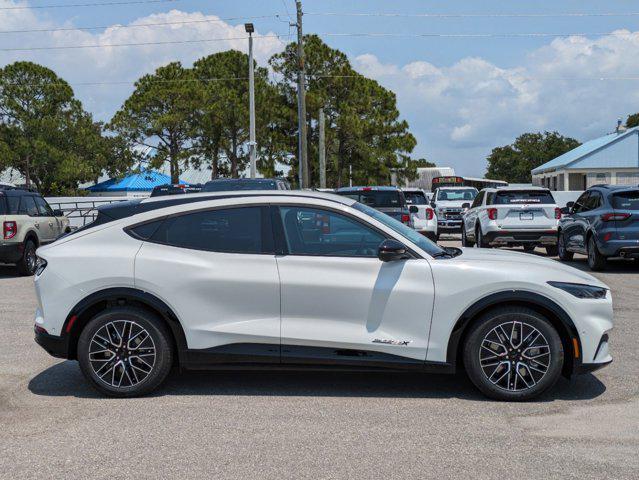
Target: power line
<point>135,44</point>
<point>476,15</point>
<point>140,25</point>
<point>75,5</point>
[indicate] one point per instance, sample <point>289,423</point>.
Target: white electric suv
<point>292,279</point>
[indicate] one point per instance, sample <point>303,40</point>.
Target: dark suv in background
<point>389,200</point>
<point>602,223</point>
<point>234,184</point>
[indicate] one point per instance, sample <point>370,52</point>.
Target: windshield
<point>453,194</point>
<point>417,238</point>
<point>415,198</point>
<point>524,196</point>
<point>626,200</point>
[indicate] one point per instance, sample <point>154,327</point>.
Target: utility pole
<point>301,102</point>
<point>322,150</point>
<point>252,144</point>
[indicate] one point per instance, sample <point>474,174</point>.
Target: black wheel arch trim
<point>122,296</point>
<point>568,331</point>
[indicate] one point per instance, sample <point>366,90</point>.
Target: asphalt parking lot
<point>314,425</point>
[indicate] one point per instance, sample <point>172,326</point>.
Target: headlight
<point>581,291</point>
<point>41,264</point>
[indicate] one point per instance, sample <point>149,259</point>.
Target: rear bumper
<point>10,253</point>
<point>544,237</point>
<point>619,248</point>
<point>54,345</point>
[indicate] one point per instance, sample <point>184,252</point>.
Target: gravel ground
<point>313,425</point>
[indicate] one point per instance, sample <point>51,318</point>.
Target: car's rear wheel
<point>479,239</point>
<point>125,352</point>
<point>513,353</point>
<point>562,251</point>
<point>552,250</point>
<point>28,262</point>
<point>529,247</point>
<point>465,241</point>
<point>596,261</point>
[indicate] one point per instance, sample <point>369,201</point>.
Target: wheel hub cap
<point>122,353</point>
<point>514,356</point>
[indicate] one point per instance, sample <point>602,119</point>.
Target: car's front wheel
<point>125,352</point>
<point>28,262</point>
<point>513,353</point>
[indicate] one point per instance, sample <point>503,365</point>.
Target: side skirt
<point>253,356</point>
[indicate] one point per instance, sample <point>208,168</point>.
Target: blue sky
<point>461,96</point>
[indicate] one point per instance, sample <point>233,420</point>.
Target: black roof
<point>11,191</point>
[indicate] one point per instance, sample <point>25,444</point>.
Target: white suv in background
<point>512,216</point>
<point>424,218</point>
<point>293,279</point>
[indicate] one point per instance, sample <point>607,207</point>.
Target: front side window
<point>43,207</point>
<point>231,230</point>
<point>594,201</point>
<point>478,200</point>
<point>318,232</point>
<point>579,205</point>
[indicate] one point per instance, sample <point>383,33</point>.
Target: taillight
<point>558,213</point>
<point>610,217</point>
<point>492,214</point>
<point>429,213</point>
<point>405,218</point>
<point>9,229</point>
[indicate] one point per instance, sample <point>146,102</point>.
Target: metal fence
<point>80,211</point>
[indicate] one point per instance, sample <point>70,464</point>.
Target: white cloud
<point>118,64</point>
<point>460,112</point>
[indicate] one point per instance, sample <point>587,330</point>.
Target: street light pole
<point>301,102</point>
<point>252,143</point>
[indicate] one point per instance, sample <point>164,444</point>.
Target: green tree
<point>159,115</point>
<point>363,129</point>
<point>46,135</point>
<point>221,126</point>
<point>513,163</point>
<point>633,120</point>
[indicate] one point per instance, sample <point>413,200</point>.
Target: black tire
<point>530,321</point>
<point>562,251</point>
<point>27,264</point>
<point>436,238</point>
<point>528,247</point>
<point>552,250</point>
<point>131,366</point>
<point>479,238</point>
<point>464,241</point>
<point>596,261</point>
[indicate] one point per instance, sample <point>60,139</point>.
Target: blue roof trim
<point>583,150</point>
<point>143,181</point>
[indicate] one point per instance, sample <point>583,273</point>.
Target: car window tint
<point>312,231</point>
<point>3,205</point>
<point>146,230</point>
<point>581,201</point>
<point>626,200</point>
<point>478,199</point>
<point>593,201</point>
<point>28,206</point>
<point>13,203</point>
<point>43,207</point>
<point>524,196</point>
<point>415,198</point>
<point>232,230</point>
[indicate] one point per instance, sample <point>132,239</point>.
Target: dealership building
<point>612,159</point>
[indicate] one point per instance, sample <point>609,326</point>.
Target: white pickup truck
<point>449,204</point>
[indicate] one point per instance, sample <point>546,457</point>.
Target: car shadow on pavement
<point>65,379</point>
<point>8,271</point>
<point>612,266</point>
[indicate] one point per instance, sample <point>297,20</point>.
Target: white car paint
<point>409,306</point>
<point>425,220</point>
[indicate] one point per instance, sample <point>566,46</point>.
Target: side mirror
<point>413,209</point>
<point>466,206</point>
<point>390,250</point>
<point>58,213</point>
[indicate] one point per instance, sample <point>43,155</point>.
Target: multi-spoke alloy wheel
<point>514,356</point>
<point>513,353</point>
<point>122,353</point>
<point>125,351</point>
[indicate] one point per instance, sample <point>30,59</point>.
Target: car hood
<point>490,255</point>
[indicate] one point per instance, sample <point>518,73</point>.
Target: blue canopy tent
<point>133,184</point>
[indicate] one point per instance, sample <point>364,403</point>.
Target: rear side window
<point>3,205</point>
<point>523,196</point>
<point>232,230</point>
<point>28,206</point>
<point>145,231</point>
<point>626,200</point>
<point>13,203</point>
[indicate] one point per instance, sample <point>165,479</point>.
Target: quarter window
<point>312,231</point>
<point>232,230</point>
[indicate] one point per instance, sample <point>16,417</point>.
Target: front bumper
<point>10,252</point>
<point>54,345</point>
<point>449,226</point>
